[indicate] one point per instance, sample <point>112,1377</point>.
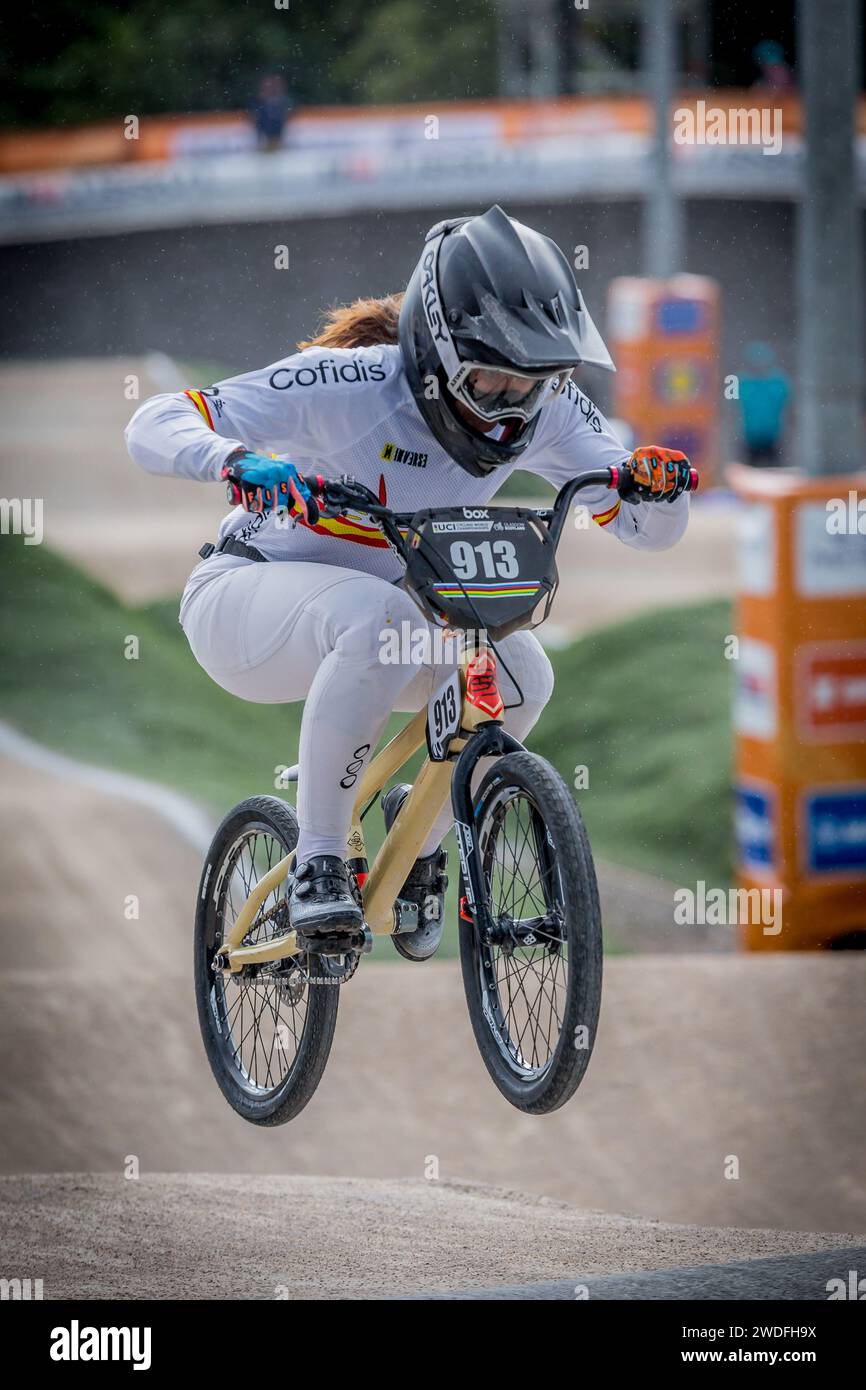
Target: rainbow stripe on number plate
<point>524,589</point>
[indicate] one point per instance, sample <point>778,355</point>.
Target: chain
<point>275,911</point>
<point>268,916</point>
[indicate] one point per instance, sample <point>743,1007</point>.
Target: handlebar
<point>348,493</point>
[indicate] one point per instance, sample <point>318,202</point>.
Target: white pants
<point>273,633</point>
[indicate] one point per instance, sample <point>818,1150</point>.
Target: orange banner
<point>800,704</point>
<point>161,137</point>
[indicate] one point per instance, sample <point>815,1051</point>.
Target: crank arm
<point>234,958</point>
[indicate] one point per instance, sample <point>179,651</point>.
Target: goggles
<point>495,394</point>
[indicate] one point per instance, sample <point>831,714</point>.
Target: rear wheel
<point>268,1032</point>
<point>534,988</point>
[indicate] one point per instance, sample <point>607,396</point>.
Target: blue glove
<point>261,484</point>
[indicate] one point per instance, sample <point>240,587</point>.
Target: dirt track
<point>698,1057</point>
<point>208,1236</point>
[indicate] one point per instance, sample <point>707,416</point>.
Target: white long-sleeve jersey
<point>336,411</point>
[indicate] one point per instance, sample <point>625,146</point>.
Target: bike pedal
<point>407,916</point>
<point>335,943</point>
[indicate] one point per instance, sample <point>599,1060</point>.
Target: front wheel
<point>534,988</point>
<point>267,1032</point>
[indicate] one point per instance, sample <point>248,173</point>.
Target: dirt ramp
<point>209,1236</point>
<point>722,1090</point>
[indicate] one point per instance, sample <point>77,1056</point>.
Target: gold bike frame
<point>400,848</point>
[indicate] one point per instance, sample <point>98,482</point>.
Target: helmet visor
<point>498,395</point>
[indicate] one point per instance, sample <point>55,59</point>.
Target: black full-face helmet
<point>492,318</point>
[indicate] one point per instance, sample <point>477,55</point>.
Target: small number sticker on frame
<point>443,717</point>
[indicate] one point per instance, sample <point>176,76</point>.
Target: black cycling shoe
<point>321,902</point>
<point>425,887</point>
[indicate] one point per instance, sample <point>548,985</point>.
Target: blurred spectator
<point>271,111</point>
<point>776,76</point>
<point>764,393</point>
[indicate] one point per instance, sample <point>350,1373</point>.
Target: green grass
<point>527,487</point>
<point>644,706</point>
<point>66,681</point>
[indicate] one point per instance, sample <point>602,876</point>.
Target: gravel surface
<point>172,1235</point>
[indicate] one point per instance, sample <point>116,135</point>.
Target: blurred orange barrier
<point>664,339</point>
<point>576,117</point>
<point>800,704</point>
<point>105,143</point>
<point>34,150</point>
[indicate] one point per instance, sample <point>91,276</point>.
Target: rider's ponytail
<point>365,323</point>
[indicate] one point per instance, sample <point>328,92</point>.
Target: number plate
<point>488,568</point>
<point>443,718</point>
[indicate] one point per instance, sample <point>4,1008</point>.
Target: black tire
<point>263,829</point>
<point>507,989</point>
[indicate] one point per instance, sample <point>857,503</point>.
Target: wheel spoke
<point>263,1025</point>
<point>525,983</point>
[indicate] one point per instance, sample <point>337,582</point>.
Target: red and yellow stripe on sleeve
<point>201,406</point>
<point>605,518</point>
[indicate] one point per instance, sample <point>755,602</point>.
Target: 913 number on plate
<point>443,718</point>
